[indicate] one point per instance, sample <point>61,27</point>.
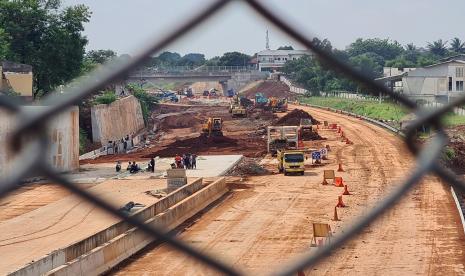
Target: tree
<point>100,56</point>
<point>438,47</point>
<point>286,48</point>
<point>168,58</point>
<point>234,59</point>
<point>192,59</point>
<point>46,36</point>
<point>369,64</point>
<point>4,44</point>
<point>457,46</point>
<point>383,47</point>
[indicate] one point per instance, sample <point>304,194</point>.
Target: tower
<point>267,41</point>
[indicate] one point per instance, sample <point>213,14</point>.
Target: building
<point>439,82</point>
<point>272,60</point>
<point>16,77</point>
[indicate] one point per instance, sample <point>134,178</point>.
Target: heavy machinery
<point>189,93</point>
<point>291,161</point>
<point>306,130</point>
<point>282,137</point>
<point>236,108</point>
<point>277,105</point>
<point>260,100</point>
<point>213,127</point>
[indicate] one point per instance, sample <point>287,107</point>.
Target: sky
<point>125,25</point>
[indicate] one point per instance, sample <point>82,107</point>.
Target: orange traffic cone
<point>338,129</point>
<point>346,191</point>
<point>339,202</point>
<point>348,142</point>
<point>335,218</point>
<point>338,181</point>
<point>340,169</point>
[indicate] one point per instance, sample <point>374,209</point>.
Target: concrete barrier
<point>71,252</point>
<point>111,253</point>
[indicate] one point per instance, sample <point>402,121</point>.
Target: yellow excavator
<point>212,127</point>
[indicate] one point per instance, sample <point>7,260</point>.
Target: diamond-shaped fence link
<point>29,139</point>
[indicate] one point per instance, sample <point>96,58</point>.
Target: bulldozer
<point>212,127</point>
<point>236,109</point>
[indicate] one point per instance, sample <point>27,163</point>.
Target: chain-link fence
<point>29,141</point>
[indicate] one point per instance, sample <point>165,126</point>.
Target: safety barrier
<point>111,253</point>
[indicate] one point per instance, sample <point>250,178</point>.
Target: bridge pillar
<point>224,86</point>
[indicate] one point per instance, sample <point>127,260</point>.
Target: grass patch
<point>451,120</point>
<point>373,109</point>
<point>106,98</point>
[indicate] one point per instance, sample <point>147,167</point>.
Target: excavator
<point>212,127</point>
<point>278,105</point>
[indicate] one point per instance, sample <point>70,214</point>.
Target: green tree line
<point>369,56</point>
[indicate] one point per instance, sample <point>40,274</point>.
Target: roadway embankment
<point>168,213</point>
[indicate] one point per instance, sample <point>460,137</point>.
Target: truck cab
<point>291,161</point>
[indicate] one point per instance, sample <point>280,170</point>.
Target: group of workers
<point>186,161</point>
<point>127,142</point>
<point>133,167</point>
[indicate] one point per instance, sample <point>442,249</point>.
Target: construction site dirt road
<point>269,219</point>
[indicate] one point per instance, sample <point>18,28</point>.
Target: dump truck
<point>212,127</point>
<point>282,137</point>
<point>291,161</point>
<point>306,130</point>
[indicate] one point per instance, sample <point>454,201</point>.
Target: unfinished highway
<point>269,219</point>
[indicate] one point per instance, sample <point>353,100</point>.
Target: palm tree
<point>410,47</point>
<point>438,47</point>
<point>457,46</point>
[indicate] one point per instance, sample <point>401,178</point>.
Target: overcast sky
<point>124,25</point>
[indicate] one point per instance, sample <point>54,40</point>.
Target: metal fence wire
<point>29,140</point>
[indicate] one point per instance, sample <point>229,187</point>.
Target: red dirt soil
<point>270,88</point>
<point>293,118</point>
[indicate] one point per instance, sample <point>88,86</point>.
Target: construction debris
<point>248,166</point>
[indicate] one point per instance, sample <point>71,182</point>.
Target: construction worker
<point>193,161</point>
<point>178,161</point>
<point>118,166</point>
<point>152,164</point>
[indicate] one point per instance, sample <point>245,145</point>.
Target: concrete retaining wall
<point>114,121</point>
<point>61,256</point>
<point>103,258</point>
<point>63,132</point>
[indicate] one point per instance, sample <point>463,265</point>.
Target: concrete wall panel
<point>132,241</point>
<point>63,134</point>
<point>116,120</point>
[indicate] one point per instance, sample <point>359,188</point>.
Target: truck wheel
<point>285,173</point>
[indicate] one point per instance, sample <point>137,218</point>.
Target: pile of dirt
<point>270,88</point>
<point>248,166</point>
<point>293,118</point>
<point>200,144</point>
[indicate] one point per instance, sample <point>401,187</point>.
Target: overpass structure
<point>230,77</point>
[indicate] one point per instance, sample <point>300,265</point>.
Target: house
<point>439,82</point>
<point>16,77</point>
<point>272,60</point>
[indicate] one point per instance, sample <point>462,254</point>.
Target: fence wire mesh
<point>29,141</point>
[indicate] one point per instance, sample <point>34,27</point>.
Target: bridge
<point>227,76</point>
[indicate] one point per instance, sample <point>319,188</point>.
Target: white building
<point>271,60</point>
<point>435,83</point>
